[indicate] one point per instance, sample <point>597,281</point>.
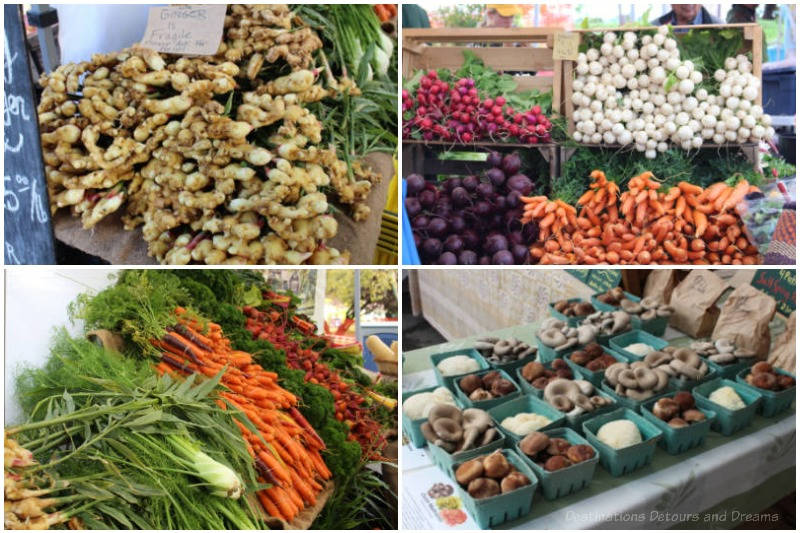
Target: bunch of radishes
<point>637,90</point>
<point>438,112</point>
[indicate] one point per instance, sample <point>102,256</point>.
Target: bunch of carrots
<point>385,11</point>
<point>350,407</point>
<point>685,225</point>
<point>286,450</point>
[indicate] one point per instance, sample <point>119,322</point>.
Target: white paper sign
<point>185,30</point>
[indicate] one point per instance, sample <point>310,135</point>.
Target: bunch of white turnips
<point>620,97</point>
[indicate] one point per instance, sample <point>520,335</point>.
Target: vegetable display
<point>351,407</point>
<point>219,159</point>
<point>637,89</point>
<point>459,112</point>
<point>686,224</point>
<point>469,220</point>
<point>249,437</point>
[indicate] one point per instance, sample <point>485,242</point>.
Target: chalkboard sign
<point>600,280</point>
<point>28,230</point>
<point>780,284</point>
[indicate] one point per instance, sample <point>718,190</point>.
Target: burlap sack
<point>660,284</point>
<point>694,301</point>
<point>783,347</point>
<point>745,318</point>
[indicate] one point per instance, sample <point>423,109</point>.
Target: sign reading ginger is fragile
<point>185,30</point>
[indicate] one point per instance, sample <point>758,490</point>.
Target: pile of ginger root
<point>171,140</point>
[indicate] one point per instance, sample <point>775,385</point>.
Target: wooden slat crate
<point>444,48</point>
<point>423,157</point>
<point>752,43</point>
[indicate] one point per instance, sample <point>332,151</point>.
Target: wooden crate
<point>444,48</point>
<point>752,43</point>
<point>421,157</point>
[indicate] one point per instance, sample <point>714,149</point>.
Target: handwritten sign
<point>185,30</point>
<point>28,230</point>
<point>781,284</point>
<point>600,280</point>
<point>565,46</point>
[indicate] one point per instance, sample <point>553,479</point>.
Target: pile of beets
<point>472,220</point>
<point>437,111</point>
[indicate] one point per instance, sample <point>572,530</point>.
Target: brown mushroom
<point>502,387</point>
<point>495,465</point>
<point>468,471</point>
<point>678,423</point>
<point>489,378</point>
<point>533,443</point>
<point>513,481</point>
<point>579,453</point>
<point>558,446</point>
<point>693,415</point>
<point>470,383</point>
<point>666,409</point>
<point>556,462</point>
<point>684,399</point>
<point>483,487</point>
<point>532,371</point>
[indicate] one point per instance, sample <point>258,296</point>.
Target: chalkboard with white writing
<point>28,229</point>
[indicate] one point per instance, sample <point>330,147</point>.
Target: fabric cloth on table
<point>783,247</point>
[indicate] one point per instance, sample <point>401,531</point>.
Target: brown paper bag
<point>745,318</point>
<point>782,354</point>
<point>660,284</point>
<point>693,300</point>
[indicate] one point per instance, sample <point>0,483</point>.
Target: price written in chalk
<point>185,30</point>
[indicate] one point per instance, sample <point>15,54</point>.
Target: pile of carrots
<point>286,451</point>
<point>685,225</point>
<point>350,407</point>
<point>385,11</point>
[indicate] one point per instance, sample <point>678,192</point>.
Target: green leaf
<point>150,417</point>
<point>584,23</point>
<point>204,389</point>
<point>671,80</point>
<point>228,105</point>
<point>116,514</point>
<point>70,403</point>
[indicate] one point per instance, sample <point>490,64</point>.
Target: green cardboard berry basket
<point>572,321</point>
<point>576,422</point>
<point>772,402</point>
<point>729,371</point>
<point>678,440</point>
<point>624,401</point>
<point>688,384</point>
<point>567,480</point>
<point>547,354</point>
<point>600,306</point>
<point>447,381</point>
<point>527,388</point>
<point>491,512</point>
<point>413,428</point>
<point>513,365</point>
<point>464,400</point>
<point>594,377</point>
<point>728,422</point>
<point>657,326</point>
<point>624,460</point>
<point>444,459</point>
<point>619,342</point>
<point>525,404</point>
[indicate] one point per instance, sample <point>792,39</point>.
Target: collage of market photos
<point>401,267</point>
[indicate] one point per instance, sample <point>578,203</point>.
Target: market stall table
<point>711,486</point>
